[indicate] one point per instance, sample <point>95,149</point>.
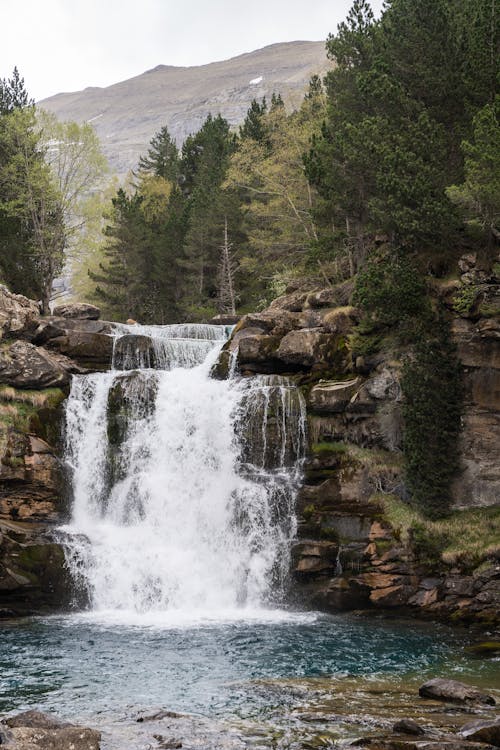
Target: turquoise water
<point>79,666</point>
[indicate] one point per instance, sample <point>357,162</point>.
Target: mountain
<point>127,114</point>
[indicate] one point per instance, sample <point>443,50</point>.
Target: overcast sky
<point>66,45</point>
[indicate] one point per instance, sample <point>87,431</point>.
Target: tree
<point>479,194</point>
<point>13,94</point>
<point>227,270</point>
<point>162,158</point>
<point>432,409</point>
<point>31,200</point>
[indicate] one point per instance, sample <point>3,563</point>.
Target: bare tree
<point>227,271</point>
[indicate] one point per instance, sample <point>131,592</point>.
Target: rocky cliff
<point>127,114</point>
<point>360,545</point>
<point>37,357</point>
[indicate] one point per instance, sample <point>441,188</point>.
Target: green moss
<point>329,447</point>
<point>464,299</point>
<point>308,512</point>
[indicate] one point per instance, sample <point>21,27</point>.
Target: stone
<point>384,385</point>
<point>51,327</point>
<point>293,302</point>
<point>453,691</point>
<point>332,396</point>
<point>133,351</point>
<point>340,320</point>
<point>80,310</point>
<point>315,557</point>
<point>257,349</point>
<point>18,315</point>
<point>63,738</point>
<point>407,726</point>
<point>23,365</point>
<point>35,720</point>
<point>85,348</point>
<point>482,731</point>
<point>392,596</point>
<point>302,348</point>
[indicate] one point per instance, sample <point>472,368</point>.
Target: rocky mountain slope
<point>127,114</point>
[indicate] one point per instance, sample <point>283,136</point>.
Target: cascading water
<point>183,485</point>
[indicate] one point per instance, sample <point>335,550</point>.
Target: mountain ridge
<point>128,113</point>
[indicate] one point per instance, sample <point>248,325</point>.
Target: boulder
<point>79,310</point>
<point>340,320</point>
<point>86,348</point>
<point>302,348</point>
<point>331,396</point>
<point>407,726</point>
<point>52,327</point>
<point>24,365</point>
<point>453,691</point>
<point>482,731</point>
<point>258,348</point>
<point>33,730</point>
<point>18,314</point>
<point>134,351</point>
<point>293,302</point>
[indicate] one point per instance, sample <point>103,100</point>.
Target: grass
<point>329,447</point>
<point>466,538</point>
<point>18,407</point>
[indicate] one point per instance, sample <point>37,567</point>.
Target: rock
<point>86,348</point>
<point>51,327</point>
<point>482,731</point>
<point>35,720</point>
<point>80,310</point>
<point>332,396</point>
<point>407,726</point>
<point>453,691</point>
<point>384,385</point>
<point>340,320</point>
<point>293,302</point>
<point>63,738</point>
<point>24,365</point>
<point>315,557</point>
<point>302,347</point>
<point>134,351</point>
<point>18,314</point>
<point>257,349</point>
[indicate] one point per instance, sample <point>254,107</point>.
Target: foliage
<point>464,299</point>
<point>432,409</point>
<point>479,194</point>
<point>390,289</point>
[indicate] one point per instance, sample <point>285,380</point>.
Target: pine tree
<point>162,158</point>
<point>432,409</point>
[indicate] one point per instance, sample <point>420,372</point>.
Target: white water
<point>184,488</point>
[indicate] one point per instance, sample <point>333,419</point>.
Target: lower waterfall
<point>183,485</point>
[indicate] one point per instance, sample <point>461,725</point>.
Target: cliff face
<point>360,545</point>
<point>34,378</point>
<point>127,114</point>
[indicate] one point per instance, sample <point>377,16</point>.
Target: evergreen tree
<point>253,126</point>
<point>162,158</point>
<point>432,409</point>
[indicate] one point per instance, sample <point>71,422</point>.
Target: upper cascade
<point>183,485</point>
<point>164,347</point>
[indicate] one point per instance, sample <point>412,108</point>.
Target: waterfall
<point>183,485</point>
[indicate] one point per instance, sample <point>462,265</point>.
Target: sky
<point>67,45</point>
